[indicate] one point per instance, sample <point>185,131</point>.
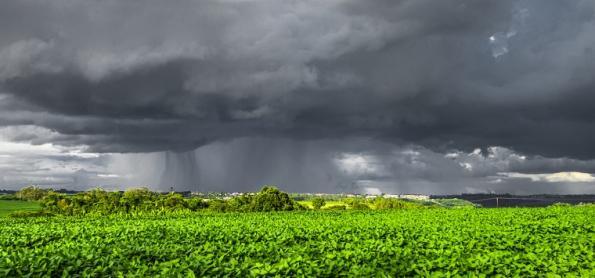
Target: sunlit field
<point>9,206</point>
<point>416,242</point>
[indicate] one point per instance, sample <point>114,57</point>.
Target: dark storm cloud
<point>362,165</point>
<point>149,76</point>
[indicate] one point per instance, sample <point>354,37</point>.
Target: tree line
<point>138,200</point>
<point>143,200</point>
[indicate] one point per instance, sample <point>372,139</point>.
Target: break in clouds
<point>337,95</point>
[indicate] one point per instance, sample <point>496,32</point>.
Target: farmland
<point>10,206</point>
<point>442,242</point>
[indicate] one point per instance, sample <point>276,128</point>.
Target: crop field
<point>308,204</point>
<point>9,206</point>
<point>441,242</point>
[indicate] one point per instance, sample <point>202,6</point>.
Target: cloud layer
<point>330,165</point>
<point>149,76</point>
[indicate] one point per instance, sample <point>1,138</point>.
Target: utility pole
<point>497,202</point>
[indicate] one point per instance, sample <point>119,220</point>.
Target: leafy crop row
<point>440,242</point>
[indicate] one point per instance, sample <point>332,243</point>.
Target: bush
<point>195,204</point>
<point>138,199</point>
<point>32,193</point>
<point>391,203</point>
<point>173,201</point>
<point>317,203</point>
<point>359,206</point>
<point>241,203</point>
<point>218,205</point>
<point>353,200</point>
<point>298,206</point>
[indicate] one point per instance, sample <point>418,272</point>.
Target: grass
<point>8,206</point>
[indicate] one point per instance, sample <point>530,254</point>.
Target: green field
<point>328,204</point>
<point>9,206</point>
<point>521,242</point>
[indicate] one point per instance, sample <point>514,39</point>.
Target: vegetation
<point>359,206</point>
<point>336,207</point>
<point>516,242</point>
<point>317,203</point>
<point>392,203</point>
<point>7,197</point>
<point>25,214</point>
<point>98,201</point>
<point>32,193</point>
<point>454,203</point>
<point>10,206</point>
<point>271,199</point>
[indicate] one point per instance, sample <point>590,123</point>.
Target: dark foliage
<point>317,203</point>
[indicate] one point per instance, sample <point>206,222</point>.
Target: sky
<point>393,96</point>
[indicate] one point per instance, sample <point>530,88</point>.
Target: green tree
<point>174,201</point>
<point>317,203</point>
<point>271,199</point>
<point>50,202</point>
<point>138,199</point>
<point>32,193</point>
<point>195,204</point>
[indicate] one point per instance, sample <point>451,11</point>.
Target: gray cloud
<point>153,76</point>
<point>360,164</point>
<point>328,165</point>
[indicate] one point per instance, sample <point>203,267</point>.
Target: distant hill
<point>508,200</point>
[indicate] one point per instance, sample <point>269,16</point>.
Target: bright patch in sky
<point>554,177</point>
<point>372,191</point>
<point>358,164</point>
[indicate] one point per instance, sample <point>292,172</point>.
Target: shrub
<point>353,200</point>
<point>218,205</point>
<point>298,206</point>
<point>317,203</point>
<point>138,199</point>
<point>195,204</point>
<point>241,203</point>
<point>359,206</point>
<point>174,201</point>
<point>32,193</point>
<point>391,203</point>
